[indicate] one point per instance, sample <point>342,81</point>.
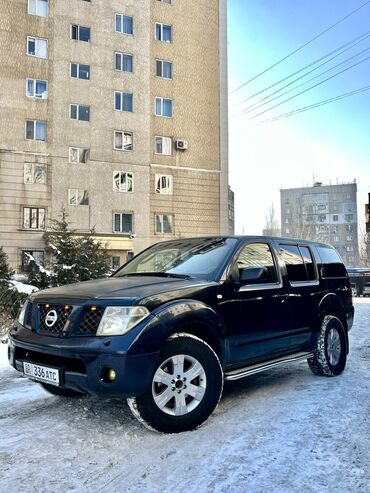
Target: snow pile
<point>283,431</point>
<point>21,287</point>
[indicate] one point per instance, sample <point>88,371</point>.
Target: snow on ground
<point>282,431</point>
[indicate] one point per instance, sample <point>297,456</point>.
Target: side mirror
<point>253,275</point>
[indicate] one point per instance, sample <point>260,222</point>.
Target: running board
<point>251,370</point>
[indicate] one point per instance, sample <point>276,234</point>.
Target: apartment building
<point>117,112</point>
<point>326,213</point>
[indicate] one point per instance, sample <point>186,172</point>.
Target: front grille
<point>90,321</point>
<point>62,313</point>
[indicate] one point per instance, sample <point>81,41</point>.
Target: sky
<point>331,143</point>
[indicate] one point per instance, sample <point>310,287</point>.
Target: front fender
<point>180,315</point>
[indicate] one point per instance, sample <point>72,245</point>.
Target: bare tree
<point>272,225</point>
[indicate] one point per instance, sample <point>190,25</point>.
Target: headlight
<point>22,313</point>
<point>117,320</point>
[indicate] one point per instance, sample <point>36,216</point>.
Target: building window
<point>164,184</point>
<point>80,33</point>
<point>78,197</point>
<point>165,1</point>
<point>37,47</point>
<point>123,101</point>
<point>163,32</point>
<point>163,107</point>
<point>115,262</point>
<point>349,238</point>
<point>163,223</point>
<point>335,218</point>
<point>336,239</point>
<point>348,217</point>
<point>123,181</point>
<point>79,112</point>
<point>34,217</point>
<point>80,71</point>
<point>163,145</point>
<point>124,24</point>
<point>27,255</point>
<point>122,222</point>
<point>36,88</point>
<point>164,69</point>
<point>36,130</point>
<point>34,173</point>
<point>349,228</point>
<point>38,7</point>
<point>321,218</point>
<point>78,155</point>
<point>124,62</point>
<point>123,141</point>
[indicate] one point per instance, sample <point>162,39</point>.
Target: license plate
<point>41,373</point>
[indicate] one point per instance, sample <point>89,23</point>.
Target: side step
<point>266,365</point>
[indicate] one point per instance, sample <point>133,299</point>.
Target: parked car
<point>366,291</point>
<point>181,317</point>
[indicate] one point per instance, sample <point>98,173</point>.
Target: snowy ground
<point>281,431</point>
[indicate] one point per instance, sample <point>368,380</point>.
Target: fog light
<point>111,374</point>
<point>108,375</point>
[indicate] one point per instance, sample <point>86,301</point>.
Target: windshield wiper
<point>157,274</point>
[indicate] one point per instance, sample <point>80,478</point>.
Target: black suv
<point>181,317</point>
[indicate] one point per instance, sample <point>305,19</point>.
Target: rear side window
<point>333,264</point>
<point>299,263</point>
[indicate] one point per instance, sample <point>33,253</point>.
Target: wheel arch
<point>190,316</point>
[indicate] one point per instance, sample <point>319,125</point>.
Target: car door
<point>257,309</point>
<point>305,292</point>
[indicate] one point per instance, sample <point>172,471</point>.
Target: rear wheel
<point>186,387</point>
<point>330,354</point>
<point>60,391</point>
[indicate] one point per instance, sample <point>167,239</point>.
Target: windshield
<point>199,258</point>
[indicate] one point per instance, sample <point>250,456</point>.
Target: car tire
<point>59,391</point>
<point>186,387</point>
<point>330,353</point>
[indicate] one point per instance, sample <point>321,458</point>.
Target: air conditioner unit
<point>181,145</point>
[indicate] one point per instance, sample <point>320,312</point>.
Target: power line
<point>255,106</point>
<point>345,47</point>
<point>301,47</point>
<point>309,88</point>
<point>316,105</point>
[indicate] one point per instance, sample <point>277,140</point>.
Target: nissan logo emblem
<point>51,318</point>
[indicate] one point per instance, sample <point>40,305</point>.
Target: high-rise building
<point>326,213</point>
<point>117,112</point>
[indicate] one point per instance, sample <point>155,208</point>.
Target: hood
<point>130,289</point>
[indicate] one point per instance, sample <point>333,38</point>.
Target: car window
<point>307,259</point>
<point>258,255</point>
<point>333,264</point>
<point>294,263</point>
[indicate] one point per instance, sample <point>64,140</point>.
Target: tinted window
<point>333,265</point>
<point>307,258</point>
<point>294,263</point>
<point>258,255</point>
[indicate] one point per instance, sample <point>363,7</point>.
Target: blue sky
<point>330,143</point>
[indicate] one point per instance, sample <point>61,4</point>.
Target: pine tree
<point>5,272</point>
<point>76,258</point>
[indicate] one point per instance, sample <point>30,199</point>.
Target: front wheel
<point>186,387</point>
<point>330,353</point>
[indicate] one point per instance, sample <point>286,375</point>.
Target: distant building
<point>326,213</point>
<point>367,215</point>
<point>231,208</point>
<point>271,232</point>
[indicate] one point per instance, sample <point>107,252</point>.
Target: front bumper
<point>81,361</point>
